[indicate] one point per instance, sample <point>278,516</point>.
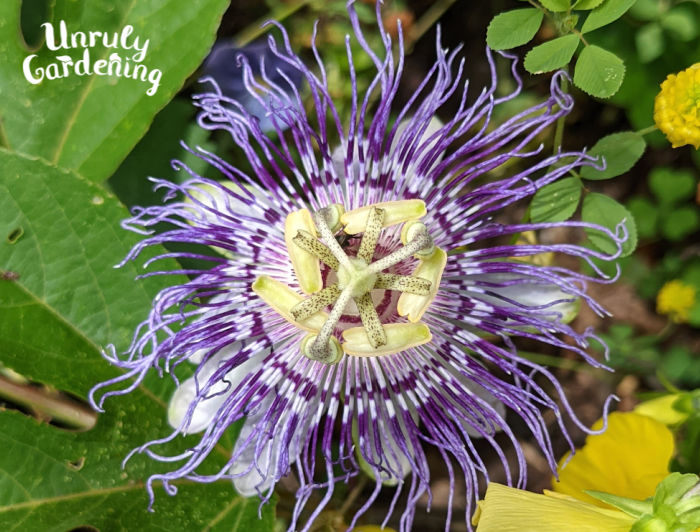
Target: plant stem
<point>647,130</point>
<point>361,483</point>
<point>256,29</point>
<point>48,404</point>
<point>427,21</point>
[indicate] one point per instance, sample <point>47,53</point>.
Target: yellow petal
<point>282,298</point>
<point>629,459</point>
<point>399,337</point>
<point>661,409</point>
<point>507,509</point>
<point>414,306</point>
<point>395,212</point>
<point>306,265</point>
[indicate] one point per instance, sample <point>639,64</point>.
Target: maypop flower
<point>677,107</point>
<point>367,296</point>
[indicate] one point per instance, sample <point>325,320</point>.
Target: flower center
<point>313,239</point>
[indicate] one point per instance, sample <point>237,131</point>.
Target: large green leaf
<point>90,123</point>
<point>61,300</point>
<point>55,480</point>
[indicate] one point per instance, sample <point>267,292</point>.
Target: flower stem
<point>256,29</point>
<point>48,404</point>
<point>350,499</point>
<point>647,130</point>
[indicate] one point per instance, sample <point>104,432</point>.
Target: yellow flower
<point>677,107</point>
<point>507,509</point>
<point>661,409</point>
<point>629,459</point>
<point>676,298</point>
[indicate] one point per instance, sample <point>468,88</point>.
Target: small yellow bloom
<point>507,509</point>
<point>629,459</point>
<point>661,409</point>
<point>677,107</point>
<point>676,298</point>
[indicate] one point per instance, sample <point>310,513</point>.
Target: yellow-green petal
<point>395,212</point>
<point>507,509</point>
<point>629,459</point>
<point>282,299</point>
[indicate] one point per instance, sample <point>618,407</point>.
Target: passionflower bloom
<point>677,107</point>
<point>367,295</point>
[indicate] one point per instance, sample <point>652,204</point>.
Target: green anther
<point>330,354</point>
<point>322,218</point>
<point>370,320</point>
<point>315,302</point>
<point>310,243</point>
<point>403,283</point>
<point>371,235</point>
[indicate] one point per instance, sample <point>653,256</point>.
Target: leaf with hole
<point>620,152</point>
<point>62,304</point>
<point>552,54</point>
<point>513,28</point>
<point>557,201</point>
<point>604,211</point>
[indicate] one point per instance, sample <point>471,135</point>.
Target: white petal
<point>205,409</point>
<point>257,476</point>
<point>433,126</point>
<point>478,420</point>
<point>540,297</point>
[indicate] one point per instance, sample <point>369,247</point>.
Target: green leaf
<point>605,13</point>
<point>556,5</point>
<point>647,9</point>
<point>620,150</point>
<point>681,22</point>
<point>598,72</point>
<point>585,5</point>
<point>649,41</point>
<point>680,222</point>
<point>557,201</point>
<point>513,28</point>
<point>672,186</point>
<point>551,54</point>
<point>90,123</point>
<point>646,215</point>
<point>61,301</point>
<point>605,211</point>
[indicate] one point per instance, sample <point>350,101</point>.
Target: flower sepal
<point>675,506</point>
